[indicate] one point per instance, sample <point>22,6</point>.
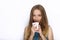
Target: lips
<point>35,21</point>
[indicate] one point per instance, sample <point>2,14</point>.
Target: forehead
<point>36,11</point>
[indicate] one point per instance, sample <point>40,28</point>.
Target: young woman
<point>38,14</point>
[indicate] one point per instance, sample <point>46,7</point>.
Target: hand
<point>33,30</point>
<point>40,30</point>
<point>41,34</point>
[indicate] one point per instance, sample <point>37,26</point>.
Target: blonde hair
<point>43,23</point>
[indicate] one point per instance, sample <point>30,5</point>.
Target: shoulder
<point>50,33</point>
<point>26,28</point>
<point>50,29</point>
<point>25,32</point>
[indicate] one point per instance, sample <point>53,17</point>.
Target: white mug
<point>35,24</point>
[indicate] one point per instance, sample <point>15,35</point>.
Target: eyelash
<point>33,15</point>
<point>38,15</point>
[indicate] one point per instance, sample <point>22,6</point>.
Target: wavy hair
<point>43,23</point>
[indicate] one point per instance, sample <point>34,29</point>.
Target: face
<point>37,15</point>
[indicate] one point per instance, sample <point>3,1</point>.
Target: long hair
<point>43,23</point>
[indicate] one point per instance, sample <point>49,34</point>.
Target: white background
<point>14,16</point>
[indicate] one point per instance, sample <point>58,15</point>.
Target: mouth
<point>35,21</point>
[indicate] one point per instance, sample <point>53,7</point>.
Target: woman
<point>38,14</point>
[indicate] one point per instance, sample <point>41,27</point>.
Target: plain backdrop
<point>14,17</point>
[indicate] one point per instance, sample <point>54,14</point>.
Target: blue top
<point>36,36</point>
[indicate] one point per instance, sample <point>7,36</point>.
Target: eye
<point>33,15</point>
<point>39,15</point>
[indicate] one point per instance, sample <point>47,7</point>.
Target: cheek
<point>34,18</point>
<point>39,18</point>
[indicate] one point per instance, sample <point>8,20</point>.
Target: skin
<point>37,17</point>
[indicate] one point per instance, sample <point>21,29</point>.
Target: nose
<point>36,19</point>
